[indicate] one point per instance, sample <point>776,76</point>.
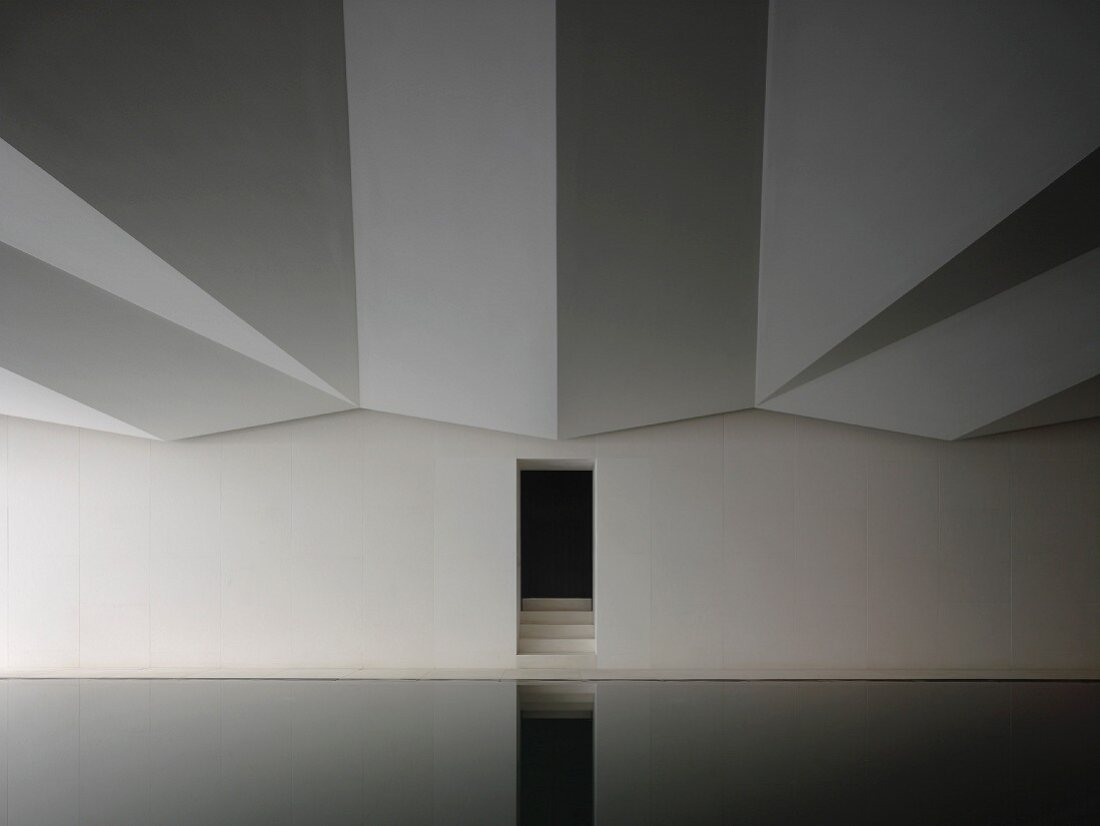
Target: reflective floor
<point>330,752</point>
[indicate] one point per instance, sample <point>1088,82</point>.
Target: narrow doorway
<point>555,534</point>
<point>556,541</point>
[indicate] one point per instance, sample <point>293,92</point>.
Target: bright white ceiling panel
<point>27,400</point>
<point>452,118</point>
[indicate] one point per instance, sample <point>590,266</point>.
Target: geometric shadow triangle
<point>1081,401</point>
<point>1060,223</point>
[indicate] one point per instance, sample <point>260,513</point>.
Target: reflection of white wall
<point>750,539</point>
<point>622,751</point>
<point>198,751</point>
<point>474,749</point>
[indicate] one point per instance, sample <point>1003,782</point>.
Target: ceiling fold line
<point>1057,225</point>
<point>24,398</point>
<point>41,217</point>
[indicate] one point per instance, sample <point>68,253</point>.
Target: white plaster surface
<point>454,189</point>
<point>42,218</point>
<point>366,545</point>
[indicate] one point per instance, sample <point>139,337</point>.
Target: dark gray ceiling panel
<point>128,363</point>
<point>570,216</point>
<point>899,133</point>
<point>660,119</point>
<point>213,132</point>
<point>1057,225</point>
<point>974,367</point>
<point>1082,401</point>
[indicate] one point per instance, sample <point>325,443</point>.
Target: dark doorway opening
<point>555,509</point>
<point>555,771</point>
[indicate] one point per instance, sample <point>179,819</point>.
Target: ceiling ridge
<point>1055,226</point>
<point>46,220</point>
<point>46,395</point>
<point>1075,403</point>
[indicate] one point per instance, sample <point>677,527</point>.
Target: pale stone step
<point>531,645</point>
<point>555,604</point>
<point>556,617</point>
<point>569,661</point>
<point>560,632</point>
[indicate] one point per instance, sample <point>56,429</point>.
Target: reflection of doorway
<point>555,509</point>
<point>556,628</point>
<point>555,766</point>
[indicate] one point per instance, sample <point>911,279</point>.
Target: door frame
<point>552,464</point>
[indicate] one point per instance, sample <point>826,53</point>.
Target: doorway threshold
<point>550,674</point>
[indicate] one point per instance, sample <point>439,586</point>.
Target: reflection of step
<point>556,633</point>
<point>561,699</point>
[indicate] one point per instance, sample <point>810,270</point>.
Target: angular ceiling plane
<point>550,218</point>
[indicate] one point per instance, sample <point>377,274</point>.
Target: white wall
<point>367,539</point>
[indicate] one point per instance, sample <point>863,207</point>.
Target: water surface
<point>332,752</point>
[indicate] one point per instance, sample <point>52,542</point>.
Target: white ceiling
<point>42,218</point>
<point>898,133</point>
<point>549,218</point>
<point>973,368</point>
<point>453,177</point>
